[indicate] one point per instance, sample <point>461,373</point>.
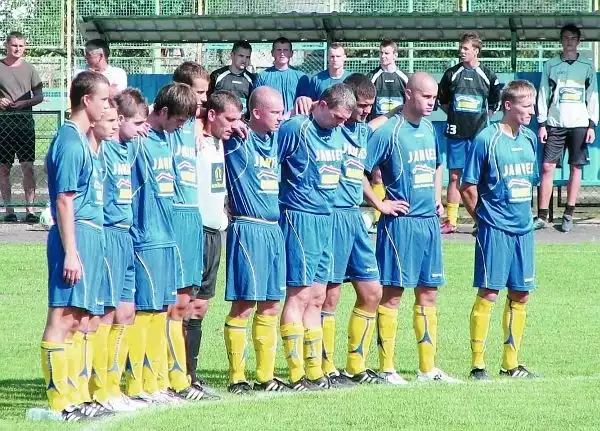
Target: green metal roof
<point>334,26</point>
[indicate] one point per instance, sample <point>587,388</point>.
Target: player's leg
<point>453,201</point>
<point>264,336</point>
<point>578,157</point>
<point>26,155</point>
<point>99,379</point>
<point>553,153</point>
<point>520,284</point>
<point>5,190</point>
<point>236,340</point>
<point>379,189</point>
<point>29,189</point>
<point>332,297</point>
<point>292,332</point>
<point>60,323</point>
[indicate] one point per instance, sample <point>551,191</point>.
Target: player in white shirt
<point>567,115</point>
<point>96,56</point>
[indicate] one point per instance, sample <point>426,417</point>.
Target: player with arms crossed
<point>310,150</point>
<point>156,259</point>
<point>568,115</point>
<point>499,175</point>
<point>75,247</point>
<point>255,248</point>
<point>409,246</point>
<point>353,254</point>
<point>469,94</point>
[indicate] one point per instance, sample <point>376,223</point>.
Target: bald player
<point>255,250</point>
<point>408,248</point>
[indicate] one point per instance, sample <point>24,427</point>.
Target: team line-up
<point>140,197</point>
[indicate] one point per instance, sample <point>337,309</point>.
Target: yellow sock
<point>85,366</point>
<point>514,325</point>
<point>328,325</point>
<point>313,353</point>
<point>292,335</point>
<point>71,367</point>
<point>55,368</point>
<point>387,325</point>
<point>360,333</point>
<point>235,343</point>
<point>98,388</point>
<point>480,323</point>
<point>425,325</point>
<point>176,355</point>
<point>138,335</point>
<point>264,337</point>
<point>118,348</point>
<point>156,368</point>
<point>379,190</point>
<point>452,213</point>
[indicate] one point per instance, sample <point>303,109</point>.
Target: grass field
<point>561,342</point>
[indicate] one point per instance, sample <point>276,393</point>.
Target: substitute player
<point>75,247</point>
<point>499,175</point>
<point>156,259</point>
<point>223,112</point>
<point>310,150</point>
<point>353,254</point>
<point>567,115</point>
<point>119,284</point>
<point>255,248</point>
<point>187,222</point>
<point>235,77</point>
<point>408,246</point>
<point>469,93</point>
<point>281,76</point>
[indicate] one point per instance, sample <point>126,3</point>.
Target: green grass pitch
<point>561,342</point>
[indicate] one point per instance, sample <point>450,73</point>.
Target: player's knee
<point>391,297</point>
<point>548,168</point>
<point>371,295</point>
<point>575,170</point>
<point>125,314</point>
<point>518,296</point>
<point>332,297</point>
<point>241,309</point>
<point>268,308</point>
<point>488,294</point>
<point>317,298</point>
<point>425,296</point>
<point>109,316</point>
<point>199,309</point>
<point>455,175</point>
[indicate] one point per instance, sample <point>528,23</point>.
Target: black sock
<point>193,336</point>
<point>569,209</point>
<point>543,213</point>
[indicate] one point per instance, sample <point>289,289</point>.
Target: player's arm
<point>386,206</point>
<point>36,98</point>
<point>472,174</point>
<point>494,94</point>
<point>444,92</point>
<point>65,219</point>
<point>439,207</point>
<point>542,103</point>
<point>212,83</point>
<point>591,96</point>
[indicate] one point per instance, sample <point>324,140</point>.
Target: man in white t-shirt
<point>96,56</point>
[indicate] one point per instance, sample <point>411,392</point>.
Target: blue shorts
<point>307,240</point>
<point>187,225</point>
<point>457,151</point>
<point>409,252</point>
<point>155,278</point>
<point>119,280</point>
<point>352,248</point>
<point>503,259</point>
<point>90,250</point>
<point>255,260</point>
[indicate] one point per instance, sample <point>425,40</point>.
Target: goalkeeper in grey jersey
<point>567,115</point>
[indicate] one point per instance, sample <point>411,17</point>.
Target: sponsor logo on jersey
<point>518,169</point>
<point>423,176</point>
<point>423,155</point>
<point>570,95</point>
<point>519,190</point>
<point>269,181</point>
<point>217,183</point>
<point>354,170</point>
<point>330,176</point>
<point>468,103</point>
<point>329,155</point>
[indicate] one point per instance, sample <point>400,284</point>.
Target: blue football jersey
<point>152,180</point>
<point>317,84</point>
<point>350,191</point>
<point>505,171</point>
<point>408,155</point>
<point>117,183</point>
<point>311,162</point>
<point>183,145</point>
<point>285,81</point>
<point>73,167</point>
<point>252,171</point>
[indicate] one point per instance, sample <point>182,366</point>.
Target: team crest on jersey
<point>423,176</point>
<point>269,181</point>
<point>165,182</point>
<point>570,95</point>
<point>519,190</point>
<point>217,184</point>
<point>330,176</point>
<point>124,187</point>
<point>468,103</point>
<point>386,105</point>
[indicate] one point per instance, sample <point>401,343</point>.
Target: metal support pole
<point>513,50</point>
<point>156,55</point>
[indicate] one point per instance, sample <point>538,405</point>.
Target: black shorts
<point>212,259</point>
<point>17,138</point>
<point>560,139</point>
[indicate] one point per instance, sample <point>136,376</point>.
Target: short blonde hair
<point>517,90</point>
